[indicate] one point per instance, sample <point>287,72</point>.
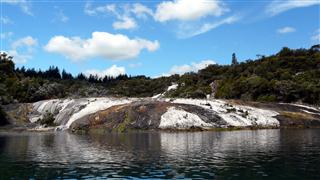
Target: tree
<point>315,48</point>
<point>6,65</point>
<point>285,51</point>
<point>81,77</point>
<point>234,59</point>
<point>53,72</point>
<point>66,75</point>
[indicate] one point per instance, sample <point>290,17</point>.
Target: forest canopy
<point>291,75</point>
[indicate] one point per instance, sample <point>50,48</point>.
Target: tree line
<point>291,75</point>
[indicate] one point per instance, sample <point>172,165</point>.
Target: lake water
<point>247,154</point>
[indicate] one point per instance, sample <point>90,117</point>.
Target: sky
<point>152,37</point>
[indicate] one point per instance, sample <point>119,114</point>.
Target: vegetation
<point>296,115</point>
<point>48,120</point>
<point>3,117</point>
<point>288,76</point>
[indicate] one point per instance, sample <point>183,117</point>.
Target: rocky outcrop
<point>17,114</point>
<point>123,114</point>
<point>146,115</point>
<point>214,87</point>
<point>290,115</point>
<point>67,111</point>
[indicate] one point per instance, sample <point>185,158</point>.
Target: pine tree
<point>65,75</point>
<point>234,59</point>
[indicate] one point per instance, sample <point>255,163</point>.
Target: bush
<point>267,98</point>
<point>47,119</point>
<point>3,117</point>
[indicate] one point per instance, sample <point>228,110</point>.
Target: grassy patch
<point>296,115</point>
<point>123,125</point>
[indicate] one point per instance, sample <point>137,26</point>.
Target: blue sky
<point>153,37</point>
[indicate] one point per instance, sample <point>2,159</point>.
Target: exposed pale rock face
<point>235,115</point>
<point>316,109</point>
<point>68,111</point>
<point>214,86</point>
<point>179,119</point>
<point>174,86</point>
<point>148,113</point>
<point>95,106</point>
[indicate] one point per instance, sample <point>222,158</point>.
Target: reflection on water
<point>292,154</point>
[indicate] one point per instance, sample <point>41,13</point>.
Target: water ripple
<point>261,154</point>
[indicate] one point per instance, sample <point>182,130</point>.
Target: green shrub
<point>47,119</point>
<point>3,117</point>
<point>267,98</point>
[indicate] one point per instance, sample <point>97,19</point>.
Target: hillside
<point>288,76</point>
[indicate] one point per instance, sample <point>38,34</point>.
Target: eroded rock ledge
<point>123,114</point>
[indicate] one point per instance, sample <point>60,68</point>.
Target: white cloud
<point>124,20</point>
<point>141,11</point>
<point>187,31</point>
<point>286,30</point>
<point>6,35</point>
<point>113,71</point>
<point>22,49</point>
<point>181,69</point>
<point>24,5</point>
<point>280,6</point>
<point>5,20</point>
<point>186,10</point>
<point>89,10</point>
<point>193,67</point>
<point>60,15</point>
<point>101,44</point>
<point>20,58</point>
<point>316,36</point>
<point>137,9</point>
<point>125,23</point>
<point>27,41</point>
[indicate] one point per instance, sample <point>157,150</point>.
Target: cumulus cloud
<point>184,11</point>
<point>22,49</point>
<point>280,6</point>
<point>187,10</point>
<point>187,31</point>
<point>101,44</point>
<point>286,30</point>
<point>27,41</point>
<point>193,67</point>
<point>18,57</point>
<point>113,71</point>
<point>125,23</point>
<point>24,5</point>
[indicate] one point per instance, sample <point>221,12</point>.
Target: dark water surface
<point>259,154</point>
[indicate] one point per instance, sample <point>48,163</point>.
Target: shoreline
<point>105,131</point>
<point>110,114</point>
